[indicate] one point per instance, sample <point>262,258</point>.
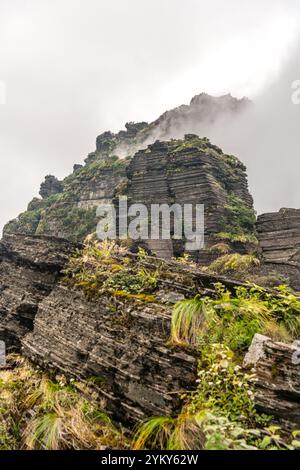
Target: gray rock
<point>277,383</point>
<point>256,350</point>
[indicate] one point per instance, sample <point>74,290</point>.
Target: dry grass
<point>38,412</point>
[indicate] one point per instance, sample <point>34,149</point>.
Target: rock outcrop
<point>29,268</point>
<point>191,171</point>
<point>50,186</point>
<point>67,208</point>
<point>120,342</point>
<point>277,367</point>
<point>279,238</point>
<point>123,344</point>
<point>136,373</point>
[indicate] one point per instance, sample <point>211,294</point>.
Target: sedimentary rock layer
<point>279,239</point>
<point>277,367</point>
<point>29,268</point>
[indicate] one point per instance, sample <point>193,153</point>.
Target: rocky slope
<point>29,268</point>
<point>67,208</point>
<point>119,340</point>
<point>112,325</point>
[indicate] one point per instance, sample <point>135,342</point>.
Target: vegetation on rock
<point>221,414</point>
<point>43,412</point>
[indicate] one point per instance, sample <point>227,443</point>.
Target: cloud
<point>74,68</point>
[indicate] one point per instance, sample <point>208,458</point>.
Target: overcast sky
<point>74,68</point>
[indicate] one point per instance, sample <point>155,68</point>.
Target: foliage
<point>102,269</point>
<point>219,415</point>
<point>27,222</point>
<point>234,264</point>
<point>238,222</point>
<point>38,412</point>
<point>188,320</point>
<point>71,221</point>
<point>223,387</point>
<point>234,319</point>
<point>237,237</point>
<point>220,248</point>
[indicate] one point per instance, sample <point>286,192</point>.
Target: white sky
<point>74,68</point>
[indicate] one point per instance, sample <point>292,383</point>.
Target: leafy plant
<point>234,318</point>
<point>189,319</point>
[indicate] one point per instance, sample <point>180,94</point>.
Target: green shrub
<point>234,319</point>
<point>234,264</point>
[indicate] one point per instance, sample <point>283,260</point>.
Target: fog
<point>74,68</point>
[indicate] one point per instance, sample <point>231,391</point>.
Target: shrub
<point>234,264</point>
<point>234,319</point>
<point>39,412</point>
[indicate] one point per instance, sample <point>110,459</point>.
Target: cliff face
<point>126,351</point>
<point>192,171</point>
<point>279,238</point>
<point>29,268</point>
<point>278,378</point>
<point>188,171</point>
<point>119,341</point>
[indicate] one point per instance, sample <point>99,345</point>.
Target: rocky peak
<point>50,186</point>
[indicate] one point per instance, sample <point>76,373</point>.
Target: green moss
<point>73,222</point>
<point>238,223</point>
<point>99,271</point>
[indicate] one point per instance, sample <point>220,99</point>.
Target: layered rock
<point>121,342</point>
<point>277,367</point>
<point>279,238</point>
<point>137,373</point>
<point>67,208</point>
<point>29,268</point>
<point>50,186</point>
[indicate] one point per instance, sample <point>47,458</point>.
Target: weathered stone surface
<point>189,171</point>
<point>277,368</point>
<point>123,346</point>
<point>279,239</point>
<point>29,268</point>
<point>139,374</point>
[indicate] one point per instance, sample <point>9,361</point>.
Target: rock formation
<point>278,378</point>
<point>67,208</point>
<point>122,339</point>
<point>122,342</point>
<point>188,171</point>
<point>29,268</point>
<point>191,171</point>
<point>279,238</point>
<point>50,186</point>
